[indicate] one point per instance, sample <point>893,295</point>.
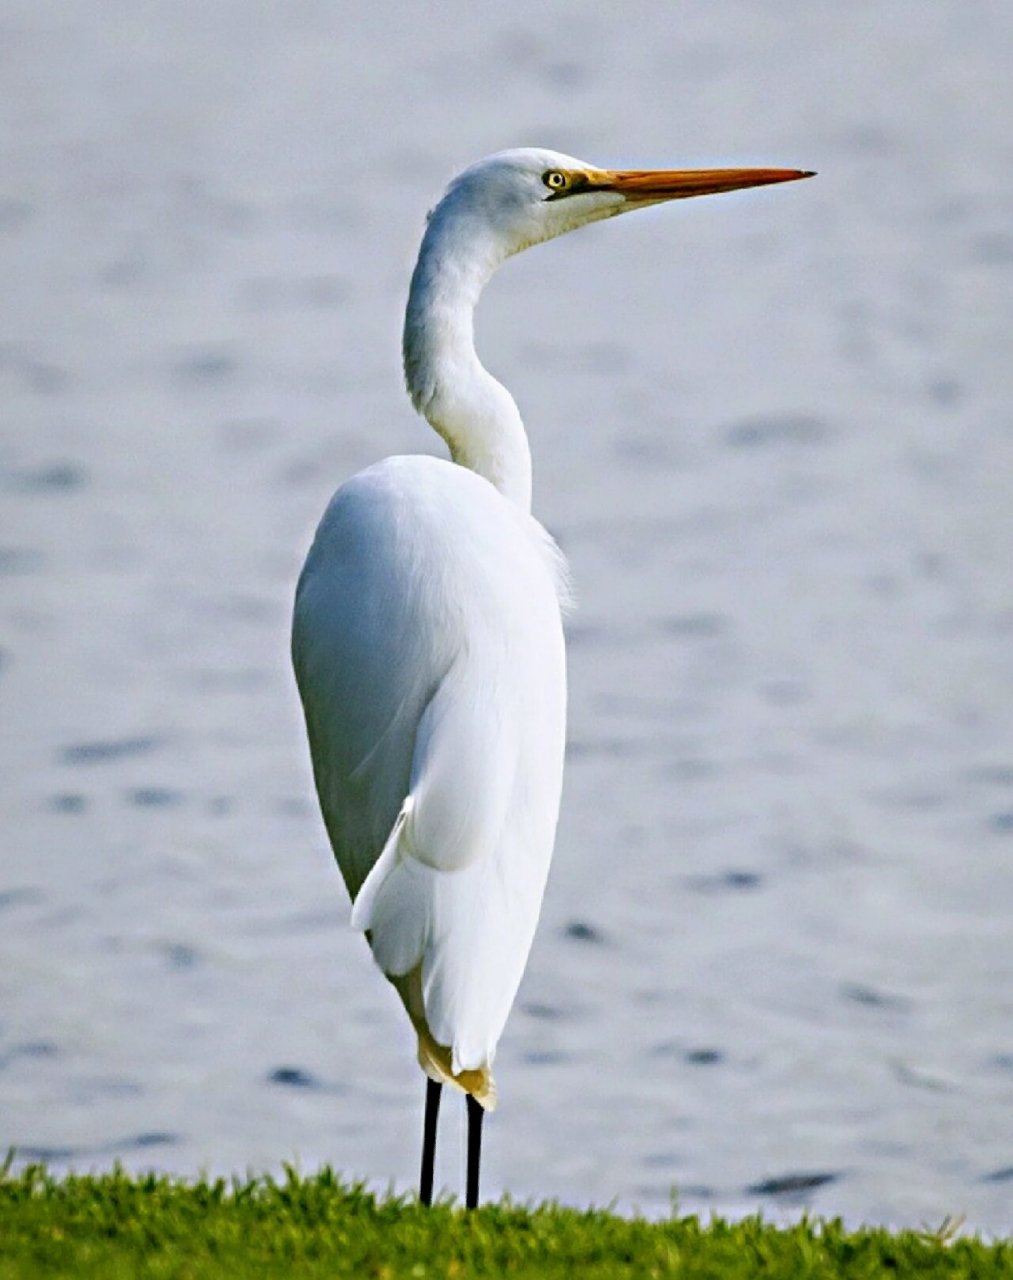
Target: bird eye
<point>555,180</point>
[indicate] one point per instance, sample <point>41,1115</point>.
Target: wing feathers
<point>428,649</point>
<point>463,767</point>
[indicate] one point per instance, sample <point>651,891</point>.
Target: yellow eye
<point>555,180</point>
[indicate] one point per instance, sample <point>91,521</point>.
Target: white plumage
<point>428,643</point>
<point>428,648</point>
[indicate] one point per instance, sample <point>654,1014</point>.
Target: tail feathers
<point>436,1060</point>
<point>449,959</point>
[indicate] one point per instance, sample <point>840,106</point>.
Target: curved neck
<point>460,399</point>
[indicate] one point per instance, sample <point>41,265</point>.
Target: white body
<point>427,640</point>
<point>428,649</point>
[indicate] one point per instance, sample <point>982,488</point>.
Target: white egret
<point>428,642</point>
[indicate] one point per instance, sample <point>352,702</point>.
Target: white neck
<point>461,400</point>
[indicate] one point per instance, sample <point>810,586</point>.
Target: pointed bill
<point>651,185</point>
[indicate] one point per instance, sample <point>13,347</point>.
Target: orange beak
<point>650,185</point>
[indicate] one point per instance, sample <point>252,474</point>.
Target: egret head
<point>494,209</point>
<point>518,198</point>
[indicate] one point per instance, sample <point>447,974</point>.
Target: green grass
<point>116,1225</point>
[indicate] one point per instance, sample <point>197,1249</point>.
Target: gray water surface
<point>772,433</point>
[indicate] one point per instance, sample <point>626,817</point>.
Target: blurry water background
<point>773,433</point>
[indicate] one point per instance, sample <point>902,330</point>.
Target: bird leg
<point>475,1113</point>
<point>433,1091</point>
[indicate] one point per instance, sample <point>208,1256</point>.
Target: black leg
<point>475,1114</point>
<point>433,1091</point>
